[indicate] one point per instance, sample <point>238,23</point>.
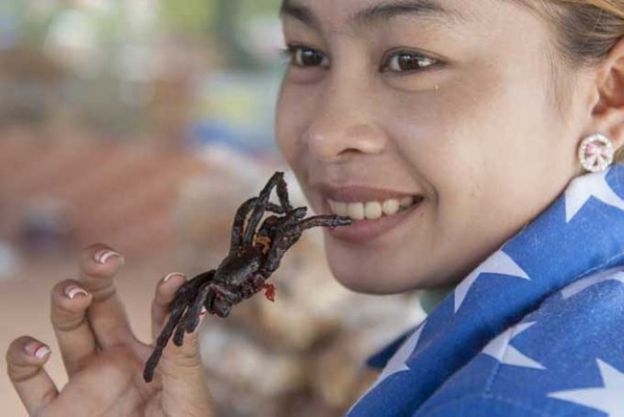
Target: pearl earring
<point>596,152</point>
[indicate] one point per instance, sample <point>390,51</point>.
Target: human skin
<point>487,148</point>
<point>475,130</point>
<point>103,358</point>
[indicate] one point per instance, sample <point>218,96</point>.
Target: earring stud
<point>596,152</point>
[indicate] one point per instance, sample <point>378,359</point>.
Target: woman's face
<point>442,110</point>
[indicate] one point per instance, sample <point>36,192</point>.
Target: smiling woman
<point>472,143</point>
<point>477,115</point>
<point>413,108</point>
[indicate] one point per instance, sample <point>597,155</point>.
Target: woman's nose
<point>343,126</point>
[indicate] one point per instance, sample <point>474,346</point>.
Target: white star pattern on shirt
<point>498,263</point>
<point>615,274</point>
<point>398,362</point>
<point>501,350</point>
<point>607,398</point>
<point>582,188</point>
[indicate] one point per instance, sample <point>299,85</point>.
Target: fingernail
<point>41,352</point>
<point>173,274</point>
<point>104,255</point>
<point>73,290</point>
<point>202,316</point>
<point>37,349</point>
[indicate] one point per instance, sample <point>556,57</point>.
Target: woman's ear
<point>608,112</point>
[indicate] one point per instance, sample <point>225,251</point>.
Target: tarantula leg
<point>289,233</point>
<point>266,231</point>
<point>182,299</point>
<point>331,221</point>
<point>223,310</point>
<point>239,223</point>
<point>282,194</point>
<point>260,208</point>
<point>225,300</point>
<point>274,208</point>
<point>161,343</point>
<point>210,304</point>
<point>191,316</point>
<point>275,256</point>
<point>206,297</point>
<point>239,220</point>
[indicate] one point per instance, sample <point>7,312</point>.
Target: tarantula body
<point>256,250</point>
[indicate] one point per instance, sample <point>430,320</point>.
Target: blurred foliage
<point>32,20</point>
<point>191,16</point>
<point>249,8</point>
<point>201,16</point>
<point>119,55</point>
<point>221,18</point>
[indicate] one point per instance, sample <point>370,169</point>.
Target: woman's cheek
<point>284,135</point>
<point>290,126</point>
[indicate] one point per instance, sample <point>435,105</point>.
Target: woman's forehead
<point>472,18</point>
<point>368,12</point>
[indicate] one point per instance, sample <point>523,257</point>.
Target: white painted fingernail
<point>36,349</point>
<point>173,274</point>
<point>104,255</point>
<point>73,290</point>
<point>41,352</point>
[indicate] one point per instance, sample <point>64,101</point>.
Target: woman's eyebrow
<point>420,8</point>
<point>301,13</point>
<point>432,9</point>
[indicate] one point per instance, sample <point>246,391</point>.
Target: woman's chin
<point>366,275</point>
<point>375,270</point>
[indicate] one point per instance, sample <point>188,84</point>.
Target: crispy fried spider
<point>253,257</point>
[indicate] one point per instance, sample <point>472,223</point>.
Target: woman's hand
<point>103,358</point>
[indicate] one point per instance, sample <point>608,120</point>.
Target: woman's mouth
<point>372,218</point>
<point>372,210</point>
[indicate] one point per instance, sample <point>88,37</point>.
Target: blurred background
<point>144,124</point>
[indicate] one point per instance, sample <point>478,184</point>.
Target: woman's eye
<point>406,62</point>
<point>301,56</point>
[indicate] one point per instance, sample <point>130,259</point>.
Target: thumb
<point>184,380</point>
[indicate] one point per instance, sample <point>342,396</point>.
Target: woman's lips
<point>361,231</point>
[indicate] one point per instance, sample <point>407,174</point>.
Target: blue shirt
<point>537,329</point>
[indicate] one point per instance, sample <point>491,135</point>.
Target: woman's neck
<point>431,297</point>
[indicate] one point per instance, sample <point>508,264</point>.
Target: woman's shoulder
<point>564,358</point>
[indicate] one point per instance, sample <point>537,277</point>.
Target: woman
<point>459,135</point>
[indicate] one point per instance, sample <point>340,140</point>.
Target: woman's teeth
<point>371,210</point>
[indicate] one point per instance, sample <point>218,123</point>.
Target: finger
<point>165,293</point>
<point>73,332</point>
<point>182,374</point>
<point>106,314</point>
<point>25,359</point>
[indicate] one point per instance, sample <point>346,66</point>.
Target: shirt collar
<point>565,242</point>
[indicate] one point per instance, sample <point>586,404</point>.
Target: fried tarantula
<point>253,257</point>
